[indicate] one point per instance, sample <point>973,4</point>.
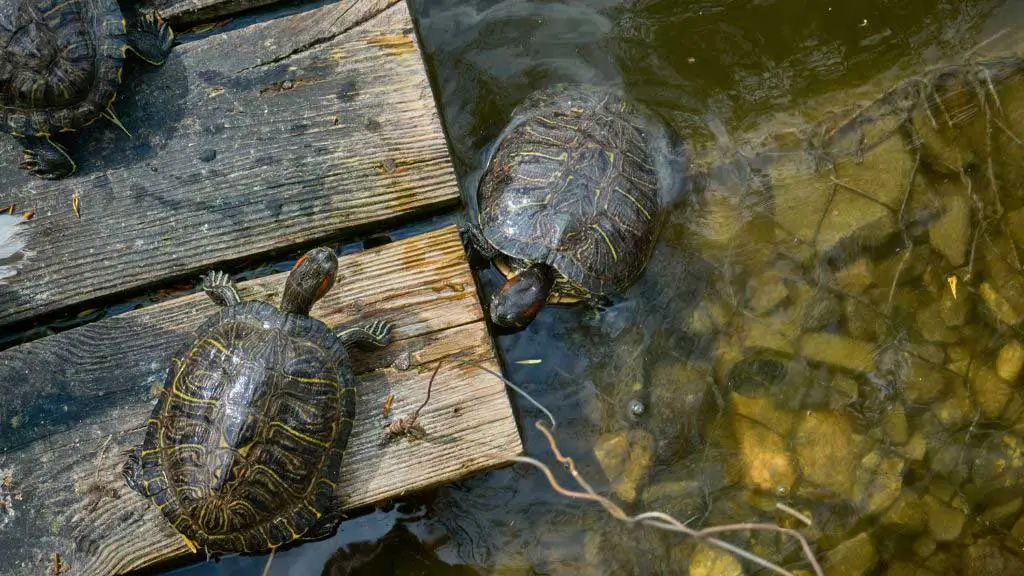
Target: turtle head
<point>310,278</point>
<point>522,296</point>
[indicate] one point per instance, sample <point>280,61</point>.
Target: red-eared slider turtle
<point>243,450</point>
<point>60,68</point>
<point>572,199</point>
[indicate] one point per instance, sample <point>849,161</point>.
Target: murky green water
<point>844,342</point>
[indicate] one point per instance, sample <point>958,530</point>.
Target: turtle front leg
<point>132,472</point>
<point>374,333</point>
<point>219,287</point>
<point>46,159</point>
<point>474,239</point>
<point>149,37</point>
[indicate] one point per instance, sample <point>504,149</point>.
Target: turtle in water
<point>60,69</point>
<point>571,202</point>
<point>243,449</point>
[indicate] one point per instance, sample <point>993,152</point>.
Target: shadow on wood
<point>80,400</point>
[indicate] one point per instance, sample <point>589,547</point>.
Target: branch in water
<point>654,519</point>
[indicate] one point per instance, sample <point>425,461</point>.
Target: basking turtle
<point>572,200</point>
<point>244,447</point>
<point>60,68</point>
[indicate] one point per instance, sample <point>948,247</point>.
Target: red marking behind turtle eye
<point>324,286</point>
<point>299,262</point>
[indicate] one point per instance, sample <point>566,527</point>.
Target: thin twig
<point>520,391</point>
<point>654,519</point>
<point>266,568</point>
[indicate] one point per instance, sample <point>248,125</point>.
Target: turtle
<point>572,199</point>
<point>243,449</point>
<point>60,69</point>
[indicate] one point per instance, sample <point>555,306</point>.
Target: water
<point>898,462</point>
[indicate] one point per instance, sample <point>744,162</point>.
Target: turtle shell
<point>245,444</point>
<point>61,63</point>
<point>576,182</point>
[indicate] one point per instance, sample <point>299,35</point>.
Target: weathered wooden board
<point>80,400</point>
<point>275,134</point>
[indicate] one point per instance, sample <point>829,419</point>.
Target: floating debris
<point>76,205</point>
<point>387,404</point>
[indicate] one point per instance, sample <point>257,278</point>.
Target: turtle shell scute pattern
<point>245,444</point>
<point>61,63</point>
<point>573,184</point>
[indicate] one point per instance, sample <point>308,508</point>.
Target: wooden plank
<point>80,399</point>
<point>276,134</point>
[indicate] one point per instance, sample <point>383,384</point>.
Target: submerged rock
<point>767,464</point>
<point>986,558</point>
<point>907,515</point>
<point>991,393</point>
<point>879,483</point>
<point>1010,360</point>
<point>709,561</point>
<point>828,452</point>
<point>855,557</point>
<point>998,305</point>
<point>950,235</point>
<point>945,522</point>
<point>839,351</point>
<point>626,459</point>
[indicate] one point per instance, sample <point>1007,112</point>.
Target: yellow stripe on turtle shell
<point>188,398</point>
<point>297,434</point>
<point>615,255</point>
<point>216,344</point>
<point>560,158</point>
<point>55,8</point>
<point>314,381</point>
<point>634,201</point>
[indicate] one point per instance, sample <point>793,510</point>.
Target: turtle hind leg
<point>132,472</point>
<point>374,333</point>
<point>220,289</point>
<point>149,37</point>
<point>46,159</point>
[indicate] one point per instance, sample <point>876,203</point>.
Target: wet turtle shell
<point>579,180</point>
<point>61,63</point>
<point>243,455</point>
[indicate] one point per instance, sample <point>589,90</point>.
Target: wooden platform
<point>81,399</point>
<point>246,141</point>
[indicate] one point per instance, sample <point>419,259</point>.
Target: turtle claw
<point>220,289</point>
<point>47,160</point>
<point>132,472</point>
<point>150,38</point>
<point>374,333</point>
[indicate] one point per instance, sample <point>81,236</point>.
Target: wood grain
<point>80,400</point>
<point>279,133</point>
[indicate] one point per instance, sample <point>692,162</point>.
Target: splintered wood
<point>81,400</point>
<point>243,142</point>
